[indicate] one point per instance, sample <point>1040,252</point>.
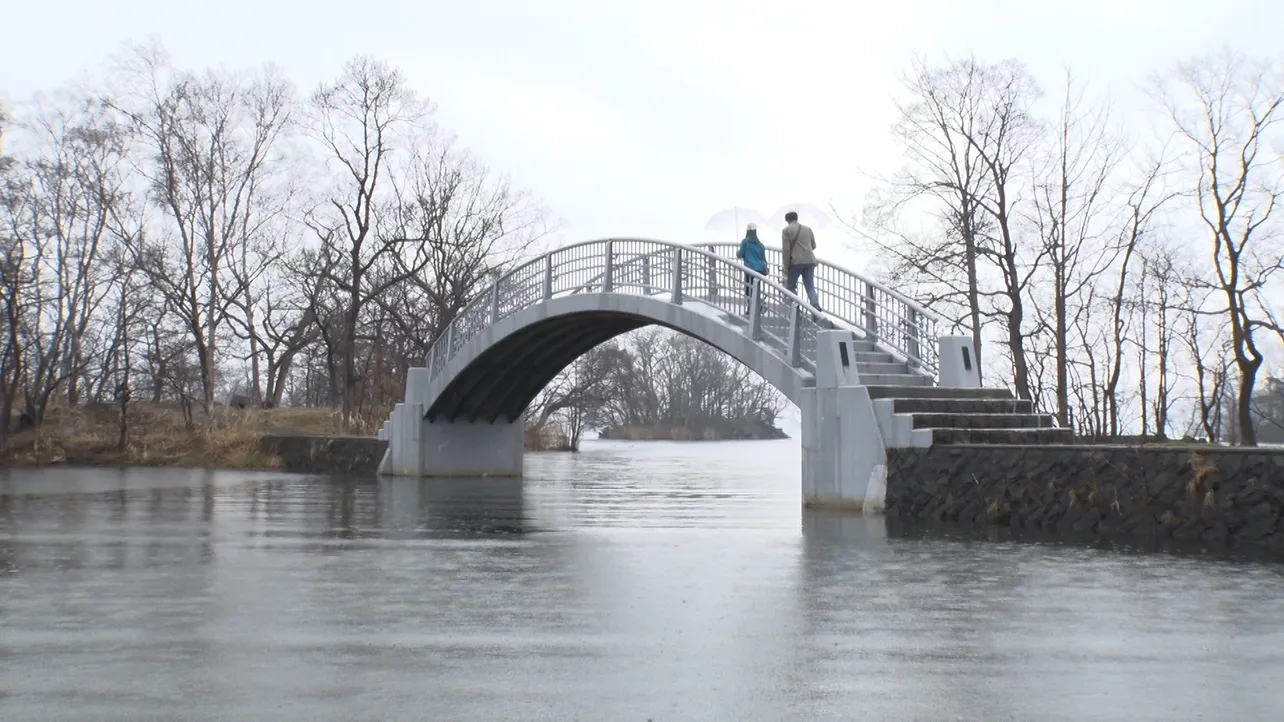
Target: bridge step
<point>883,368</point>
<point>1002,436</point>
<point>962,406</point>
<point>889,391</point>
<point>896,380</point>
<point>872,357</point>
<point>981,421</point>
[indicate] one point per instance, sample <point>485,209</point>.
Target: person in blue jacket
<point>754,256</point>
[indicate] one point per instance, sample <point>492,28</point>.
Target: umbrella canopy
<point>808,215</point>
<point>734,220</point>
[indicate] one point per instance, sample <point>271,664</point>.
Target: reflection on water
<point>632,581</point>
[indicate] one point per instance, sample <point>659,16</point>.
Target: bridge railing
<point>711,275</point>
<point>898,323</point>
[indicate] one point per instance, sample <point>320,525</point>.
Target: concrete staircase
<point>934,416</point>
<point>914,412</point>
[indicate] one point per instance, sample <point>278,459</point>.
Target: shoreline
<point>309,440</point>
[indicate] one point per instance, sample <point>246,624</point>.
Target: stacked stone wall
<point>1218,495</point>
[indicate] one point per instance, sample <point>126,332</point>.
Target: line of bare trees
<point>179,236</point>
<point>1126,281</point>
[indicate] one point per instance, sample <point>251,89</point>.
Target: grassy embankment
<point>231,439</point>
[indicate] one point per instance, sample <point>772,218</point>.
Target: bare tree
<point>75,172</point>
<point>578,395</point>
<point>1072,210</point>
<point>1208,351</point>
<point>13,283</point>
<point>406,208</point>
<point>1144,201</point>
<point>943,169</point>
<point>1003,146</point>
<point>288,324</point>
<point>361,119</point>
<point>969,134</point>
<point>211,140</point>
<point>1163,304</point>
<point>1226,110</point>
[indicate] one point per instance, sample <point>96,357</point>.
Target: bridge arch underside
<point>496,377</point>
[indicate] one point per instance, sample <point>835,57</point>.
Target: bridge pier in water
<point>846,432</point>
<point>842,449</point>
<point>420,447</point>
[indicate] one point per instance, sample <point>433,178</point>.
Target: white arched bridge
<point>871,371</point>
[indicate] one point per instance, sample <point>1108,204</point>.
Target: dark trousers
<point>807,272</point>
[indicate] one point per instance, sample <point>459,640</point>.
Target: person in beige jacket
<point>798,245</point>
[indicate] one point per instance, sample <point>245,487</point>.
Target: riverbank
<point>157,436</point>
<point>294,439</point>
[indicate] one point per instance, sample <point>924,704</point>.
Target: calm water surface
<point>629,582</point>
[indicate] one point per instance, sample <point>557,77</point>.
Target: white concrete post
<point>957,363</point>
<point>494,300</point>
<point>417,380</point>
<point>608,276</point>
<point>835,360</point>
<point>795,334</point>
<point>755,310</point>
<point>711,274</point>
<point>548,277</point>
<point>677,276</point>
<point>871,313</point>
<point>912,338</point>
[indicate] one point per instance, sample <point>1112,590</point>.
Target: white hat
<point>753,226</point>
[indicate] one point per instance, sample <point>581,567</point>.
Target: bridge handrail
<point>897,295</point>
<point>911,303</point>
<point>911,337</point>
<point>921,323</point>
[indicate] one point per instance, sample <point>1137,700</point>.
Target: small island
<point>723,430</point>
<point>654,385</point>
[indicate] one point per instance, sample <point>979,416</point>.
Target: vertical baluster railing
<point>646,274</point>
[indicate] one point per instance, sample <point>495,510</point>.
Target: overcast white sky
<point>645,118</point>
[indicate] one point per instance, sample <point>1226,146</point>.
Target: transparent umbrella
<point>808,215</point>
<point>734,221</point>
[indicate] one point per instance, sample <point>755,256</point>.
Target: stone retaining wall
<point>327,454</point>
<point>1219,495</point>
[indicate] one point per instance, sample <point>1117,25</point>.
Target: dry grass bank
<point>547,438</point>
<point>231,439</point>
